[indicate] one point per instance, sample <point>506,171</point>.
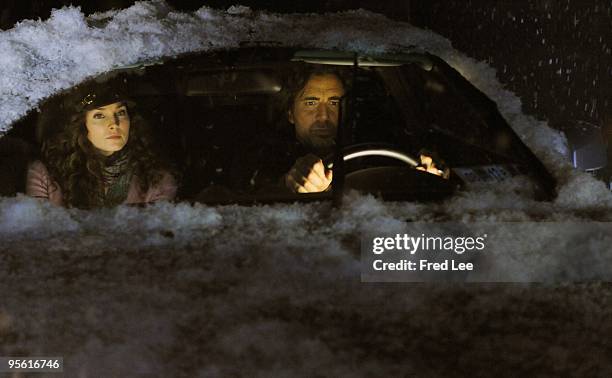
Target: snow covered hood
<point>218,291</point>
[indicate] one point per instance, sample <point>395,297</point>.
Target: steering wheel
<point>393,182</point>
<point>361,150</point>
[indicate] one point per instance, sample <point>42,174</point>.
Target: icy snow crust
<point>182,290</point>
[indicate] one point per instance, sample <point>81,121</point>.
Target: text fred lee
<point>422,265</point>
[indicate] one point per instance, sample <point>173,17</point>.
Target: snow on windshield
<point>41,58</point>
<point>109,288</point>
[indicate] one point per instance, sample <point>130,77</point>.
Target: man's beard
<point>321,136</point>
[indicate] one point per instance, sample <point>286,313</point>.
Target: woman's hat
<point>92,95</point>
<point>57,111</point>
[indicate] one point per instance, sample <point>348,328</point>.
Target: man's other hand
<point>308,175</point>
<point>429,165</point>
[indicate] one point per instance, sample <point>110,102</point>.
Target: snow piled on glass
<point>212,291</point>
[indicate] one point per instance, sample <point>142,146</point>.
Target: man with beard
<point>291,161</point>
<point>314,112</point>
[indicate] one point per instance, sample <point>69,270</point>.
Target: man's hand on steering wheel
<point>308,175</point>
<point>432,164</point>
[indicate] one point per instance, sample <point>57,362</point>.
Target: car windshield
<point>236,123</point>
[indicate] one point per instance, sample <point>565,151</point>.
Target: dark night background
<point>555,54</point>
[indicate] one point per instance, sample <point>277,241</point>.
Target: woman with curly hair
<point>102,158</point>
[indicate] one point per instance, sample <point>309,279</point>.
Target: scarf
<point>116,176</point>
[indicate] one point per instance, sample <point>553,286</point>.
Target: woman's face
<point>108,127</point>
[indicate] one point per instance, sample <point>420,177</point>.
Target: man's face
<point>315,111</point>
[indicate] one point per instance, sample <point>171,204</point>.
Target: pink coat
<point>39,184</point>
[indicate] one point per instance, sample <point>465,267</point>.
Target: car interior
<point>208,109</point>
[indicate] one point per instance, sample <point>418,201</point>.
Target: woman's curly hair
<point>76,165</point>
